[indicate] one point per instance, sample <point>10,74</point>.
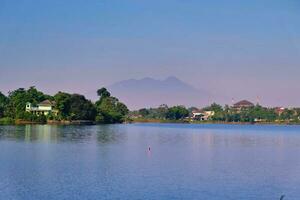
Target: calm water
<point>215,162</point>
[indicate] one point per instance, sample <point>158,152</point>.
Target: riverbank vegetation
<point>226,114</point>
<point>70,107</point>
<point>107,109</point>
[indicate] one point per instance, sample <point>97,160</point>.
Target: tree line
<point>107,109</point>
<point>225,113</point>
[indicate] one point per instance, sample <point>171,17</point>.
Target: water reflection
<point>43,133</point>
<point>110,134</point>
<point>113,162</point>
<point>55,133</point>
<point>209,137</point>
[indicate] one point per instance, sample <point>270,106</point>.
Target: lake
<point>215,162</point>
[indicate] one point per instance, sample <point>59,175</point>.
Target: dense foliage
<point>162,112</point>
<point>177,112</point>
<point>17,101</point>
<point>70,107</point>
<point>109,109</point>
<point>3,104</point>
<point>73,107</point>
<point>256,113</point>
<point>223,114</point>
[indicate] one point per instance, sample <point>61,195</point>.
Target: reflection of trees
<point>109,134</point>
<point>12,132</point>
<point>75,133</point>
<point>52,133</point>
<point>45,133</point>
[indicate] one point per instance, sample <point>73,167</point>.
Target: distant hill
<point>149,92</point>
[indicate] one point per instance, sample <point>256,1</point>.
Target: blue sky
<point>239,49</point>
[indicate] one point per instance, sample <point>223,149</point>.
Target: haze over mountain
<point>79,47</point>
<point>149,92</point>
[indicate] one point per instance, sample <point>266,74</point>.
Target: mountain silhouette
<point>149,92</point>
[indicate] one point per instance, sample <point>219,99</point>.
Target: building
<point>44,108</point>
<point>279,110</point>
<point>202,115</point>
<point>244,104</point>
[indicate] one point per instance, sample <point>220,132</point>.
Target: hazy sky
<point>240,49</point>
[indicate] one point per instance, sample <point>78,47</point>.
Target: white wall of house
<point>40,109</point>
<point>44,108</point>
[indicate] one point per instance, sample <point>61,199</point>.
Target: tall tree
<point>3,104</point>
<point>103,93</point>
<point>287,114</point>
<point>63,101</point>
<point>144,112</point>
<point>109,109</point>
<point>74,107</point>
<point>177,112</point>
<point>81,108</point>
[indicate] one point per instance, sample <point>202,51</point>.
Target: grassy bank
<point>10,121</point>
<point>7,121</point>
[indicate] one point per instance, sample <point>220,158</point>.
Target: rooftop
<point>243,103</point>
<point>47,103</point>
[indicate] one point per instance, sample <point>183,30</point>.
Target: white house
<point>44,108</point>
<point>202,115</point>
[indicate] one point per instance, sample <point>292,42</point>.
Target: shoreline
<point>133,121</point>
<point>210,122</point>
<point>49,122</point>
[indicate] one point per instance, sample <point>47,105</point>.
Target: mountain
<point>149,92</point>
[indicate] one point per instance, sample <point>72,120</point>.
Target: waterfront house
<point>279,110</point>
<point>202,115</point>
<point>244,104</point>
<point>44,108</point>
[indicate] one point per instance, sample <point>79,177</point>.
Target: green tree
<point>287,114</point>
<point>214,107</point>
<point>144,112</point>
<point>109,109</point>
<point>74,107</point>
<point>81,108</point>
<point>177,112</point>
<point>246,116</point>
<point>63,104</point>
<point>219,114</point>
<point>260,113</point>
<point>227,113</point>
<point>35,96</point>
<point>103,93</point>
<point>3,103</point>
<point>161,111</point>
<point>297,115</point>
<point>18,99</point>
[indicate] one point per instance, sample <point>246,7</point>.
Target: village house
<point>202,115</point>
<point>244,104</point>
<point>44,108</point>
<point>279,110</point>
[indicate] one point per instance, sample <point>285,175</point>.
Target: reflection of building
<point>45,133</point>
<point>242,105</point>
<point>44,108</point>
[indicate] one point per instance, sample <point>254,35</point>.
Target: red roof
<point>243,103</point>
